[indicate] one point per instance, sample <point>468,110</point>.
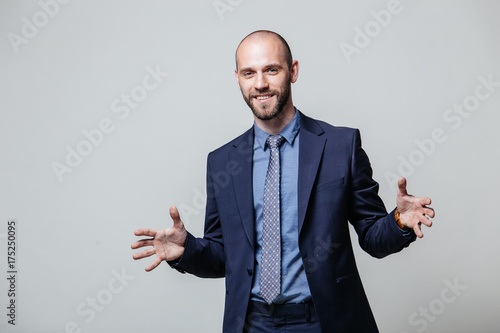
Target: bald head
<point>266,36</point>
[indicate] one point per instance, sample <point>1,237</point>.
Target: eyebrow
<point>266,66</point>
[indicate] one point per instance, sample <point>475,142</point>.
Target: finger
<point>145,232</point>
<point>426,221</point>
<point>174,214</point>
<point>142,243</point>
<point>425,201</point>
<point>153,265</point>
<point>429,212</point>
<point>144,254</point>
<point>418,231</point>
<point>402,186</point>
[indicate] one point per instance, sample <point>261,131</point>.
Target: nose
<point>261,82</point>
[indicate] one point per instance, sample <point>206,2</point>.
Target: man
<point>277,230</point>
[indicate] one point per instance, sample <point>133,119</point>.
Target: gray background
<point>74,235</point>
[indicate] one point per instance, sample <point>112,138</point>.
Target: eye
<point>272,70</point>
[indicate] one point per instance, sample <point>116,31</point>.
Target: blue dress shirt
<point>294,286</point>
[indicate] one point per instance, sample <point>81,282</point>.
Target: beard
<point>271,111</point>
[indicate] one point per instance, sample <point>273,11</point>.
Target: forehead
<point>260,51</point>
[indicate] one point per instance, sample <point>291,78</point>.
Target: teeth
<point>263,97</point>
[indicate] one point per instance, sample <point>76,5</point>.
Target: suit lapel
<point>241,157</point>
<point>311,147</point>
<point>312,144</point>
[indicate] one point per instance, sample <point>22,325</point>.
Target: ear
<point>294,71</point>
<point>237,78</point>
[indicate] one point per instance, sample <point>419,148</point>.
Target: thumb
<point>402,186</point>
<point>174,214</point>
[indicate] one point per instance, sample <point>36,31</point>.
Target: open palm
<point>167,244</point>
<point>413,210</point>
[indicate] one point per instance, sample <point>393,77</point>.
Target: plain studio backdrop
<point>109,109</point>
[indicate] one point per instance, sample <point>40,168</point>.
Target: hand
<point>167,244</point>
<point>413,210</point>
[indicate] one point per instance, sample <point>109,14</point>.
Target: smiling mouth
<point>263,98</point>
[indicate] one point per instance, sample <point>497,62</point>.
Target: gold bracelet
<point>398,221</point>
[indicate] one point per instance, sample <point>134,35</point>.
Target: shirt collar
<point>289,132</point>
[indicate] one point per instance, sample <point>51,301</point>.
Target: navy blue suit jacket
<point>335,186</point>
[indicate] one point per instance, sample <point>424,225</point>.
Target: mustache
<point>266,92</point>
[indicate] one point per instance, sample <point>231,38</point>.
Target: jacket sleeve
<point>204,257</point>
<point>378,233</point>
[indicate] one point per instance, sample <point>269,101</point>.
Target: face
<point>264,77</point>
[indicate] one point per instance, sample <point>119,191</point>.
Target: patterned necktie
<point>270,275</point>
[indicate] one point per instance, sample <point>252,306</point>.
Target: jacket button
<point>250,271</point>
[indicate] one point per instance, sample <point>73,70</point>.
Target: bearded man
<point>277,230</point>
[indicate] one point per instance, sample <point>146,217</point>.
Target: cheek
<point>245,88</point>
<point>280,83</point>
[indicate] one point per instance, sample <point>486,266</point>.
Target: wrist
<point>397,217</point>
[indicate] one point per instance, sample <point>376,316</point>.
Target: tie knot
<point>275,141</point>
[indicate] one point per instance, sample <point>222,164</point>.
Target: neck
<point>275,126</point>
